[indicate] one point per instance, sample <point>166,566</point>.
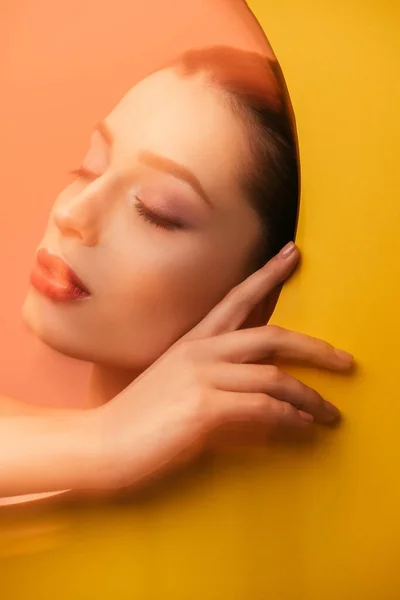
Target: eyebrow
<point>160,163</point>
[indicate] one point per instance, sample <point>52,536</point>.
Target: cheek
<point>168,287</point>
<point>153,280</point>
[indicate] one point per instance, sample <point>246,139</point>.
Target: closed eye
<point>155,219</point>
<point>84,173</point>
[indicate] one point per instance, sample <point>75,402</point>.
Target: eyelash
<point>155,220</point>
<point>144,213</point>
<point>83,173</point>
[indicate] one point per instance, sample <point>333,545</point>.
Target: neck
<point>107,382</point>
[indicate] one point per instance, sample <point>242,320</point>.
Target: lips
<point>54,278</point>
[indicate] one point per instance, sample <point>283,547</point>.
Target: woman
<point>189,186</point>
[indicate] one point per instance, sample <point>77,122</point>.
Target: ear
<point>262,313</point>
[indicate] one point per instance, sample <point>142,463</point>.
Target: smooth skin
<point>215,375</point>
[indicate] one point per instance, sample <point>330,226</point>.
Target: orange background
<point>63,66</point>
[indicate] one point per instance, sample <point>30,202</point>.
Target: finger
<point>271,342</point>
<point>238,407</point>
<point>233,310</point>
<point>271,380</point>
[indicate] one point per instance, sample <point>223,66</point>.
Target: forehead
<point>184,119</point>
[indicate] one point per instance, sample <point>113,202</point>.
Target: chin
<point>44,322</point>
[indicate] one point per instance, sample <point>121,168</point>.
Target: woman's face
<point>154,225</point>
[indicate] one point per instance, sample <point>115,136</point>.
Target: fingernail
<point>288,250</point>
<point>333,412</point>
<point>344,356</point>
<point>306,416</point>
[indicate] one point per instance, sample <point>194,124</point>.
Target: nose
<point>80,216</point>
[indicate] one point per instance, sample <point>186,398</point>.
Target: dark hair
<point>255,89</point>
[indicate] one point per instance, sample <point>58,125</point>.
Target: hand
<point>216,374</point>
